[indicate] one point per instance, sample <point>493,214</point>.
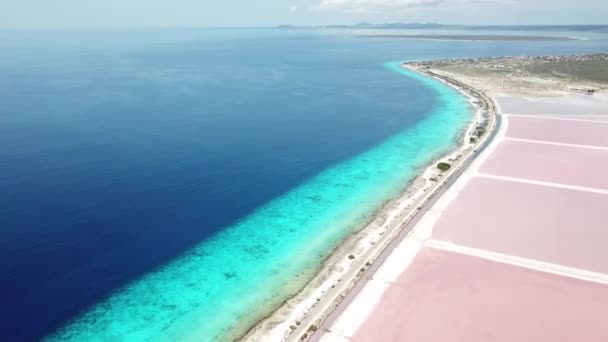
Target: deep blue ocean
<point>121,150</point>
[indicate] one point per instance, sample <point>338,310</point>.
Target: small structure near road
<point>584,90</point>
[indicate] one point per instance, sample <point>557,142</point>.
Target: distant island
<point>435,26</point>
<point>468,37</point>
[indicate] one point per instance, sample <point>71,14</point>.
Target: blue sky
<point>142,13</point>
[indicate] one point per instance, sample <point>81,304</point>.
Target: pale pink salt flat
<point>453,297</point>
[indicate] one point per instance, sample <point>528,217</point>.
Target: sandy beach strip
<point>342,276</point>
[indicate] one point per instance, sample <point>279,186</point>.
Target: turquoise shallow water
<point>246,270</point>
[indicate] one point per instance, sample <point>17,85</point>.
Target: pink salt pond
<point>446,296</point>
<point>555,225</point>
<point>574,166</point>
<point>591,132</point>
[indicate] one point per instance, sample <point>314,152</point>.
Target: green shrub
<point>444,166</point>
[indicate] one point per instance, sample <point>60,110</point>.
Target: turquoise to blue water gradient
<point>240,274</point>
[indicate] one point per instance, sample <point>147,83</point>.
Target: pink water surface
<point>452,297</point>
<point>559,226</point>
<point>563,131</point>
<point>549,163</point>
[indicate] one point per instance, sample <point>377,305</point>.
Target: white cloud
<point>374,5</point>
<point>397,5</point>
<point>293,8</point>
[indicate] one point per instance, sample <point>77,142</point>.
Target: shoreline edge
<point>340,276</point>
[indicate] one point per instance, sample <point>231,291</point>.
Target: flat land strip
<point>469,37</point>
<point>538,76</point>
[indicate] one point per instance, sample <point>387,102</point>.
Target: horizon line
<point>272,26</point>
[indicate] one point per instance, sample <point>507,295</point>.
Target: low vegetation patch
<point>480,131</point>
<point>444,166</point>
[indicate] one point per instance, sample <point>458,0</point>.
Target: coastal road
<point>407,227</point>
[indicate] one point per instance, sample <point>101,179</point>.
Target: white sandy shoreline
<point>302,314</point>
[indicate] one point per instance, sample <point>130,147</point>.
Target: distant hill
<point>434,26</point>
